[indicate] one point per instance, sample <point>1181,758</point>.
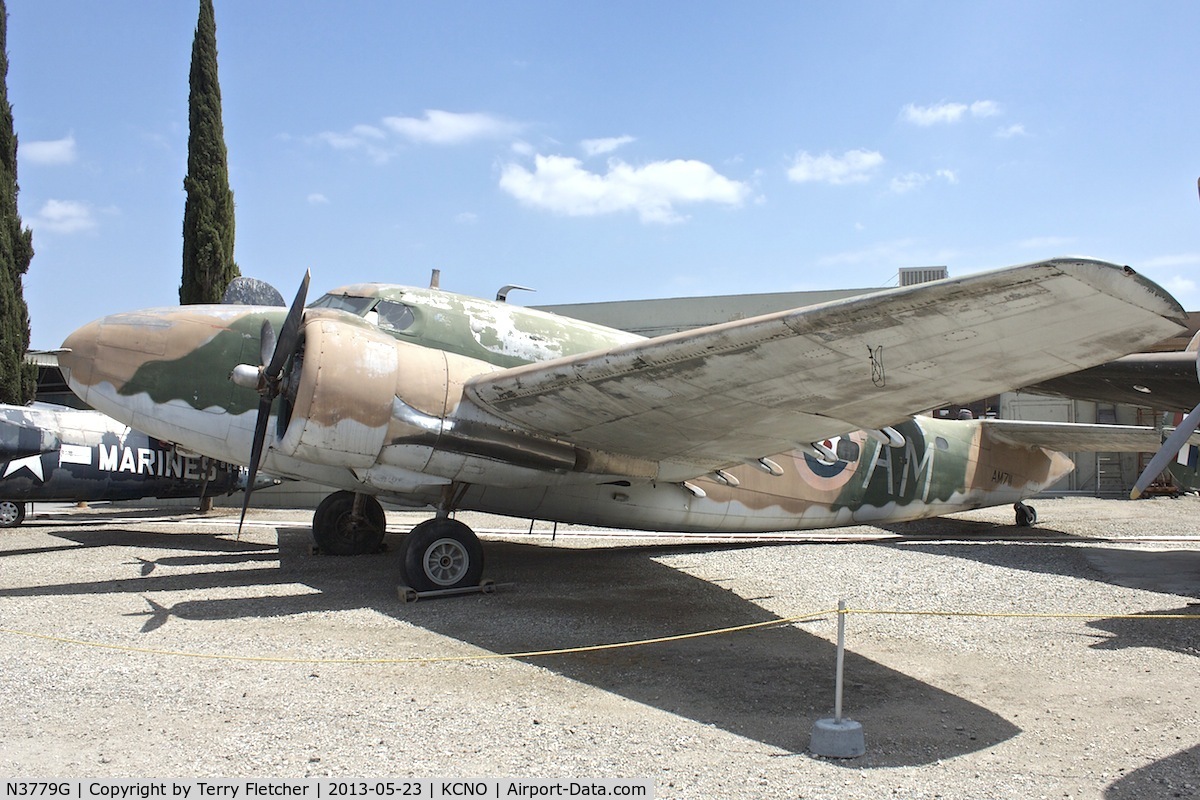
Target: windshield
<point>358,306</point>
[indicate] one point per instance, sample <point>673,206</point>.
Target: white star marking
<point>31,463</point>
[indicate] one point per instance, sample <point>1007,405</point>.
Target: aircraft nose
<point>110,350</point>
<point>78,355</point>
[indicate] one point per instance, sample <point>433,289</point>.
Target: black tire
<point>1026,515</point>
<point>442,554</point>
<point>338,533</point>
<point>12,513</point>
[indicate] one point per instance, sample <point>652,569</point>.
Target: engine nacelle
<point>344,384</point>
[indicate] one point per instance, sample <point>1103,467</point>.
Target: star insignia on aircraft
<point>31,463</point>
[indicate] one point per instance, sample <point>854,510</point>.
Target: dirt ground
<point>983,660</point>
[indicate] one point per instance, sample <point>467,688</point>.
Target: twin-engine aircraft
<point>801,419</point>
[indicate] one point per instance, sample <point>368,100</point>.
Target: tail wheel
<point>1026,515</point>
<point>442,554</point>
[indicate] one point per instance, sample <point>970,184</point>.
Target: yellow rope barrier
<point>424,659</point>
<point>588,648</point>
<point>1017,614</point>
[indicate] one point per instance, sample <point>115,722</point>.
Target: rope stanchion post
<point>838,737</point>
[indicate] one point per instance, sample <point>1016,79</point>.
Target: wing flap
<point>726,393</point>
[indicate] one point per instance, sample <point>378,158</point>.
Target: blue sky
<point>609,150</point>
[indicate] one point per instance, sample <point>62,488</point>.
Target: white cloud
<point>947,113</point>
<point>985,108</point>
<point>317,199</point>
<point>596,147</point>
<point>1011,131</point>
<point>447,127</point>
<point>366,138</point>
<point>50,153</point>
<point>64,216</point>
<point>466,218</point>
<point>908,182</point>
<point>853,166</point>
<point>915,180</point>
<point>381,142</point>
<point>562,185</point>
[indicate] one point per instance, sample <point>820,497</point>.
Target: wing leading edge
<point>716,396</point>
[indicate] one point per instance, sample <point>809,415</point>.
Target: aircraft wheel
<point>338,532</point>
<point>12,513</point>
<point>442,554</point>
<point>1026,515</point>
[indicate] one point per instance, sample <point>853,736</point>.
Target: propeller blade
<point>260,435</point>
<point>277,352</point>
<point>1170,447</point>
<point>289,335</point>
<point>267,343</point>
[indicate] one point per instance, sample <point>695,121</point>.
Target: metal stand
<point>838,737</point>
<point>410,595</point>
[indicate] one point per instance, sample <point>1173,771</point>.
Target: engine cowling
<point>341,386</point>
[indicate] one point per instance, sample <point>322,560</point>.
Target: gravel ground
<point>145,643</point>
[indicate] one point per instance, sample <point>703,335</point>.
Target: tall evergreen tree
<point>18,380</point>
<point>208,226</point>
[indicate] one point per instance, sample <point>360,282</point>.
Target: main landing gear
<point>439,554</point>
<point>1026,515</point>
<point>349,524</point>
<point>442,553</point>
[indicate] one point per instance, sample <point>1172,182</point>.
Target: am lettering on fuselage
<point>429,397</point>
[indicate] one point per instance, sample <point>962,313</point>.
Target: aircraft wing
<point>1076,437</point>
<point>742,390</point>
<point>1163,381</point>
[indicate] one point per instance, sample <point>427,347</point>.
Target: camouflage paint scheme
<point>56,454</point>
<point>383,398</point>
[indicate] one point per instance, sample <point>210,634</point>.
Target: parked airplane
<point>56,454</point>
<point>1164,381</point>
<point>799,419</point>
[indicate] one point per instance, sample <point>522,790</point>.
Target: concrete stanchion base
<point>837,738</point>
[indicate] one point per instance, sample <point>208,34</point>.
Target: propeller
<point>267,379</point>
<point>1173,444</point>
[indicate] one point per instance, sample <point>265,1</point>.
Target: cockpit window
<point>358,306</point>
<point>394,316</point>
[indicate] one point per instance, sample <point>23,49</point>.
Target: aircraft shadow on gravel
<point>1174,776</point>
<point>1171,572</point>
<point>769,685</point>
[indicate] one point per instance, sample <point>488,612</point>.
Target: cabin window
<point>940,443</point>
<point>394,316</point>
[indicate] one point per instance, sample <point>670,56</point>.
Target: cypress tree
<point>208,226</point>
<point>18,380</point>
